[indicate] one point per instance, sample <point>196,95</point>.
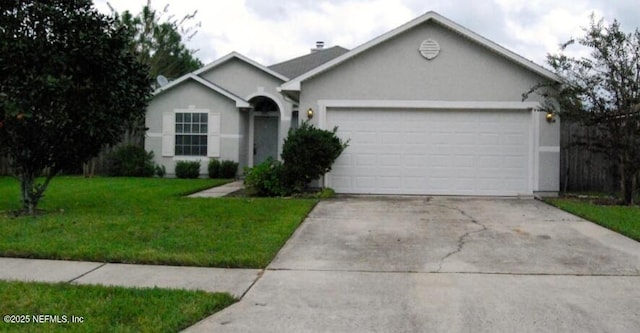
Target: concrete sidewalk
<point>219,191</point>
<point>233,281</point>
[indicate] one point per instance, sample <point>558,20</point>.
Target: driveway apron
<point>443,264</point>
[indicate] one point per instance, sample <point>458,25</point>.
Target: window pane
<point>203,118</point>
<point>203,128</point>
<point>179,150</point>
<point>179,128</point>
<point>187,117</point>
<point>203,150</point>
<point>179,117</point>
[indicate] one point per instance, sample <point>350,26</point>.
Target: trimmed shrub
<point>265,179</point>
<point>188,169</point>
<point>214,168</point>
<point>161,170</point>
<point>228,169</point>
<point>308,153</point>
<point>326,193</point>
<point>131,161</point>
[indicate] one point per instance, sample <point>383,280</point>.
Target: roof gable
<point>300,65</point>
<point>294,84</point>
<point>240,103</point>
<point>236,55</point>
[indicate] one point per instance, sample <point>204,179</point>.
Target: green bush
<point>265,179</point>
<point>308,153</point>
<point>161,170</point>
<point>188,169</point>
<point>131,161</point>
<point>228,169</point>
<point>326,193</point>
<point>214,168</point>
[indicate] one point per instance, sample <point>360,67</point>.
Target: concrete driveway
<point>438,264</point>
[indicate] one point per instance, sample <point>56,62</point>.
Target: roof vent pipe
<point>319,46</point>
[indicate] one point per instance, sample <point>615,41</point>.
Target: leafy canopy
<point>68,85</point>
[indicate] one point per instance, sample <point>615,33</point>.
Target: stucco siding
<point>193,95</point>
<point>241,78</point>
<point>549,171</point>
<point>244,141</point>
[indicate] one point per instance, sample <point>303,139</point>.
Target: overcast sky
<point>270,31</point>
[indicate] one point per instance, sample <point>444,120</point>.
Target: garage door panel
<point>415,138</point>
<point>391,160</point>
<point>387,182</point>
<point>366,159</point>
<point>466,152</point>
<point>440,161</point>
<point>367,183</point>
<point>464,161</point>
<point>412,161</point>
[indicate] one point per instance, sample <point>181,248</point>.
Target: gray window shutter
<point>168,134</point>
<point>213,136</point>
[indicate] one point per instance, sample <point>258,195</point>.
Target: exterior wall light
<point>550,117</point>
<point>310,113</point>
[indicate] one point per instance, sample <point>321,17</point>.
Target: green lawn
<point>103,309</point>
<point>622,219</point>
<point>147,220</point>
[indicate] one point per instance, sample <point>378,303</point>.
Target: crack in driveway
<point>462,239</point>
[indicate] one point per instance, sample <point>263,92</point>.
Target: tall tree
<point>602,91</point>
<point>158,39</point>
<point>68,86</point>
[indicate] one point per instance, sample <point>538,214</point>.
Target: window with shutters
<point>191,133</point>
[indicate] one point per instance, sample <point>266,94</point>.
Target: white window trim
<point>191,109</point>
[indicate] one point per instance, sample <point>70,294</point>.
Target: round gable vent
<point>429,49</point>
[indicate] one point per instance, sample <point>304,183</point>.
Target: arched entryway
<point>266,124</point>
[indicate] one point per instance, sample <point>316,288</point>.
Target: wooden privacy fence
<point>581,169</point>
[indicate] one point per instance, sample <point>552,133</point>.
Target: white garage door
<point>447,152</point>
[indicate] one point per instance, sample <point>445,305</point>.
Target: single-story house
<point>430,107</point>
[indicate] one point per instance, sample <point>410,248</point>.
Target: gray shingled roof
<point>298,66</point>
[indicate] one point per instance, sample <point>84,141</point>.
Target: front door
<point>265,138</point>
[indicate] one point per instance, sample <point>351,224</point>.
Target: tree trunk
<point>29,203</point>
<point>32,192</point>
<point>626,185</point>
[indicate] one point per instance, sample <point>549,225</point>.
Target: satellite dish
<point>162,80</point>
